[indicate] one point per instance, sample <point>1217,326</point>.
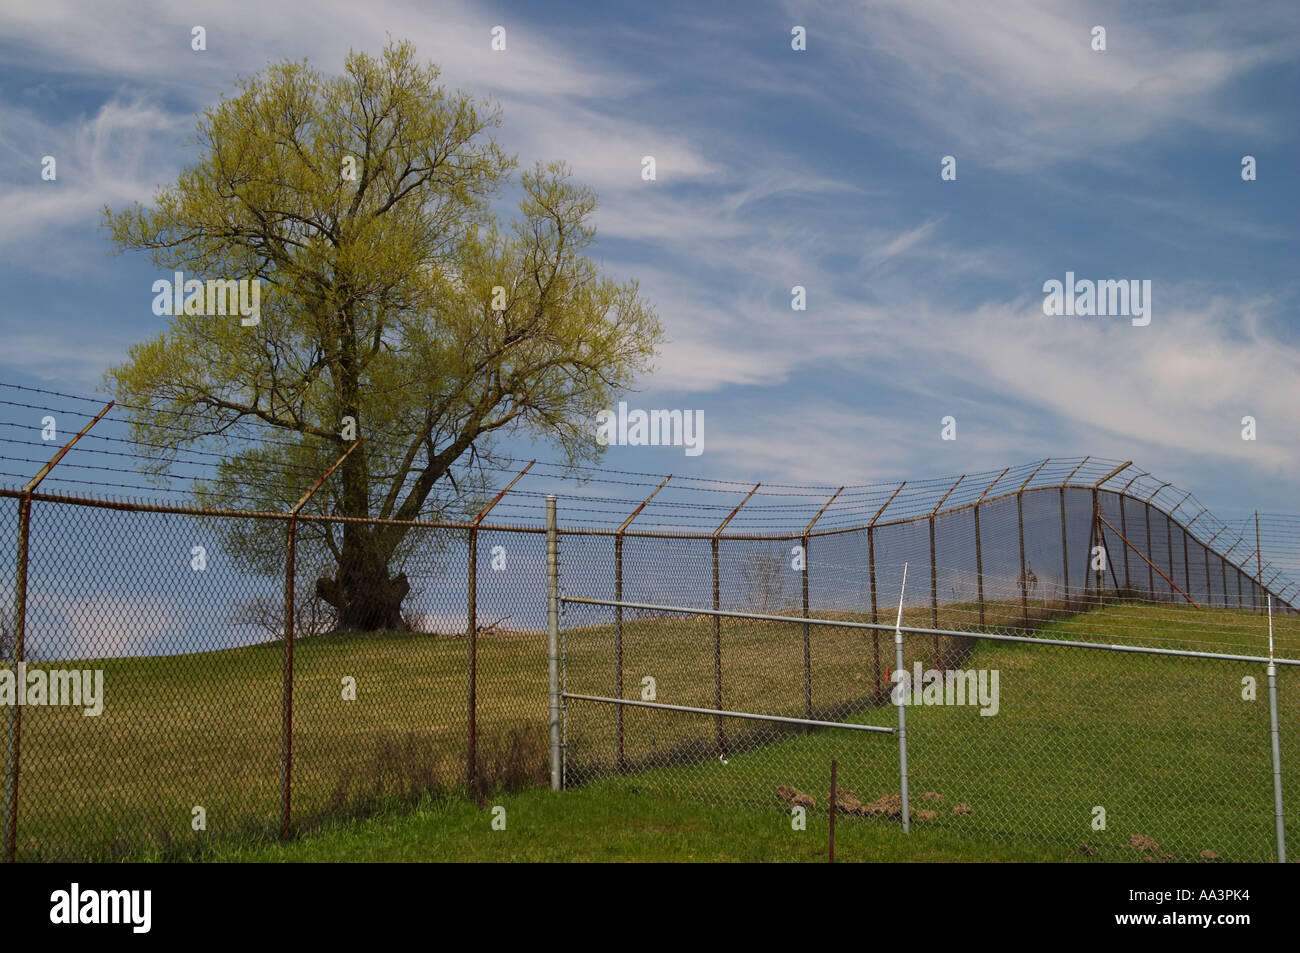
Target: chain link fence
<point>1061,732</point>
<point>189,696</point>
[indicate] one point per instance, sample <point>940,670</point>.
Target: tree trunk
<point>362,592</point>
<point>366,598</point>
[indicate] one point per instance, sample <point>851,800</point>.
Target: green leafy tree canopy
<point>393,295</point>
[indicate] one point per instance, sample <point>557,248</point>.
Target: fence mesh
<point>187,658</point>
<point>1116,755</point>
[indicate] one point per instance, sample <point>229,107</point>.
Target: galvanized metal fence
<point>232,708</point>
<point>1134,708</point>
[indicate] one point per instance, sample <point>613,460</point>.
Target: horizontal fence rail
<point>921,630</point>
<point>720,713</point>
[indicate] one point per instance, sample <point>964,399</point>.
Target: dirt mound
<point>846,801</point>
<point>793,797</point>
<point>887,805</point>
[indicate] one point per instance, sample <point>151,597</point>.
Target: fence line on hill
<point>107,580</point>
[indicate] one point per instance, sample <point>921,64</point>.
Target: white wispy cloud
<point>1016,84</point>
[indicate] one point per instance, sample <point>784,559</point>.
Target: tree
<point>393,297</point>
<point>763,574</point>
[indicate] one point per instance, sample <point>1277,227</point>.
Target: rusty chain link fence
<point>186,698</point>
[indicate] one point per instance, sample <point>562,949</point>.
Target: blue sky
<point>779,168</point>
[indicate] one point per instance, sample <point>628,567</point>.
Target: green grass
<point>597,824</point>
<point>1167,746</point>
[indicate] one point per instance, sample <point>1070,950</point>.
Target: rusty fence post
<point>1187,559</point>
<point>471,650</point>
<point>286,709</point>
<point>1209,588</point>
<point>979,552</point>
<point>554,676</point>
<point>1259,556</point>
<point>1123,525</point>
<point>807,639</point>
<point>717,621</point>
<point>934,570</point>
<point>1020,523</point>
<point>1065,549</point>
<point>1172,523</point>
<point>1226,563</point>
<point>1151,579</point>
<point>1100,535</point>
<point>14,726</point>
<point>618,616</point>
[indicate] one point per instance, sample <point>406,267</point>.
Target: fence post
<point>1169,545</point>
<point>1123,528</point>
<point>1065,552</point>
<point>1172,524</point>
<point>1279,812</point>
<point>1223,576</point>
<point>934,571</point>
<point>807,639</point>
<point>979,553</point>
<point>618,616</point>
<point>871,560</point>
<point>1024,575</point>
<point>905,806</point>
<point>1209,587</point>
<point>286,709</point>
<point>807,636</point>
<point>1151,578</point>
<point>1259,556</point>
<point>1020,522</point>
<point>717,621</point>
<point>286,681</point>
<point>553,639</point>
<point>471,662</point>
<point>14,727</point>
<point>1065,549</point>
<point>1100,535</point>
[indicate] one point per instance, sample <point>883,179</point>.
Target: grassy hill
<point>1166,746</point>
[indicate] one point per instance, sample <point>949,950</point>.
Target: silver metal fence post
<point>1279,812</point>
<point>905,808</point>
<point>553,635</point>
